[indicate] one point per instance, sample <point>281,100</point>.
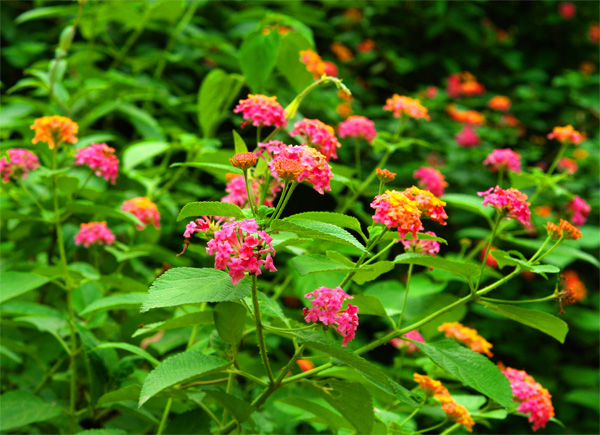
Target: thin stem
<point>258,131</point>
<point>410,268</point>
<point>370,245</point>
<point>35,201</point>
<point>192,338</point>
<point>87,179</point>
<point>402,121</point>
<point>561,152</point>
<point>249,376</point>
<point>527,301</point>
<point>259,330</point>
<point>435,426</point>
<point>540,250</point>
<point>133,37</point>
<point>451,429</point>
<point>165,416</point>
<point>48,375</point>
<point>500,177</point>
<point>487,250</point>
<point>249,193</point>
<point>411,415</point>
<point>383,251</point>
<point>558,242</point>
<point>288,366</point>
<point>357,158</point>
<point>287,198</point>
<point>206,409</point>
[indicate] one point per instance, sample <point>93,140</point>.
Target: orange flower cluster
<point>288,169</point>
<point>566,135</point>
<point>465,116</point>
<point>366,46</point>
<point>463,84</point>
<point>385,175</point>
<point>405,105</point>
<point>574,289</point>
<point>543,210</point>
<point>468,336</point>
<point>343,53</point>
<point>316,65</point>
<point>453,410</point>
<point>244,161</point>
<point>564,229</point>
<point>305,365</point>
<point>54,130</point>
<point>499,103</point>
<point>429,204</point>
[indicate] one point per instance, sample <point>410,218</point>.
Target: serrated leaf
<point>457,267</point>
<point>229,320</point>
<point>240,409</point>
<point>239,144</point>
<point>199,318</point>
<point>372,271</point>
<point>126,301</point>
<point>504,259</point>
<point>20,408</point>
<point>352,400</point>
<point>129,392</point>
<point>18,283</point>
<point>312,263</point>
<point>318,230</point>
<point>130,348</point>
<point>547,323</point>
<point>183,367</point>
<point>338,219</point>
<point>210,208</point>
<point>471,368</point>
<point>188,285</point>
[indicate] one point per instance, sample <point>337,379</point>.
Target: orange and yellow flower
<point>343,53</point>
<point>465,116</point>
<point>566,135</point>
<point>430,387</point>
<point>54,130</point>
<point>499,102</point>
<point>406,105</point>
<point>468,336</point>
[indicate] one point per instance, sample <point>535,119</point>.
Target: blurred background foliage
<point>157,80</point>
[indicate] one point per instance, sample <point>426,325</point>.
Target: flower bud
<point>244,161</point>
<point>385,176</point>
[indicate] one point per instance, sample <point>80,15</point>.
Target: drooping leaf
<point>318,230</point>
<point>229,320</point>
<point>199,318</point>
<point>338,219</point>
<point>126,301</point>
<point>188,285</point>
<point>20,408</point>
<point>183,367</point>
<point>471,368</point>
<point>210,208</point>
<point>547,323</point>
<point>130,348</point>
<point>457,267</point>
<point>18,283</point>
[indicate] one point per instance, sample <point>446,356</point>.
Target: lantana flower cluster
<point>463,84</point>
<point>358,127</point>
<point>94,233</point>
<point>573,289</point>
<point>238,195</point>
<point>99,157</point>
<point>316,65</point>
<point>468,336</point>
<point>564,229</point>
<point>411,107</point>
<point>534,399</point>
<point>262,111</point>
<point>503,160</point>
<point>579,210</point>
<point>500,103</point>
<point>511,202</point>
<point>326,308</point>
<point>467,137</point>
<point>144,209</point>
<point>429,247</point>
<point>239,247</point>
<point>54,130</point>
<point>17,162</point>
<point>431,179</point>
<point>566,135</point>
<point>471,117</point>
<point>399,343</point>
<point>454,411</point>
<point>318,135</point>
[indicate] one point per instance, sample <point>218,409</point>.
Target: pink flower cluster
<point>316,170</point>
<point>100,157</point>
<point>504,160</point>
<point>204,224</point>
<point>431,179</point>
<point>579,210</point>
<point>143,209</point>
<point>429,247</point>
<point>239,247</point>
<point>326,308</point>
<point>534,399</point>
<point>318,135</point>
<point>358,127</point>
<point>467,137</point>
<point>398,343</point>
<point>261,111</point>
<point>511,202</point>
<point>17,162</point>
<point>94,232</point>
<point>236,188</point>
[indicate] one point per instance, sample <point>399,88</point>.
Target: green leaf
<point>338,219</point>
<point>562,256</point>
<point>240,145</point>
<point>146,125</point>
<point>588,398</point>
<point>312,263</point>
<point>325,415</point>
<point>18,283</point>
<point>471,368</point>
<point>67,184</point>
<point>142,151</point>
<point>351,399</point>
<point>103,211</point>
<point>130,392</point>
<point>288,60</point>
<point>199,318</point>
<point>457,267</point>
<point>20,408</point>
<point>230,318</point>
<point>547,323</point>
<point>215,96</point>
<point>424,236</point>
<point>318,230</point>
<point>372,271</point>
<point>240,409</point>
<point>257,57</point>
<point>130,348</point>
<point>192,422</point>
<point>468,202</point>
<point>126,301</point>
<point>183,367</point>
<point>46,12</point>
<point>210,208</point>
<point>111,431</point>
<point>504,259</point>
<point>188,285</point>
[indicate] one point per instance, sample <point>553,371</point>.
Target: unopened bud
<point>384,175</point>
<point>244,160</point>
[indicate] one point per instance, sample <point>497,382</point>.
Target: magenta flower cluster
<point>399,343</point>
<point>204,224</point>
<point>239,247</point>
<point>429,247</point>
<point>318,135</point>
<point>467,137</point>
<point>579,210</point>
<point>511,202</point>
<point>94,233</point>
<point>358,127</point>
<point>238,195</point>
<point>17,162</point>
<point>503,160</point>
<point>431,179</point>
<point>326,308</point>
<point>262,111</point>
<point>101,158</point>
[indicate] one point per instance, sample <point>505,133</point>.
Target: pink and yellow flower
<point>318,135</point>
<point>94,233</point>
<point>431,179</point>
<point>399,343</point>
<point>468,336</point>
<point>566,135</point>
<point>408,106</point>
<point>17,162</point>
<point>54,130</point>
<point>239,247</point>
<point>144,209</point>
<point>358,127</point>
<point>429,247</point>
<point>504,160</point>
<point>510,202</point>
<point>99,157</point>
<point>428,204</point>
<point>262,111</point>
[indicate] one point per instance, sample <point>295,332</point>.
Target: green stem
<point>133,37</point>
<point>540,250</point>
<point>561,152</point>
<point>402,122</point>
<point>411,415</point>
<point>249,193</point>
<point>192,338</point>
<point>283,201</point>
<point>500,177</point>
<point>451,429</point>
<point>288,366</point>
<point>48,376</point>
<point>249,376</point>
<point>35,201</point>
<point>358,263</point>
<point>259,330</point>
<point>558,242</point>
<point>527,301</point>
<point>383,251</point>
<point>78,191</point>
<point>282,286</point>
<point>428,429</point>
<point>487,250</point>
<point>165,416</point>
<point>357,158</point>
<point>258,131</point>
<point>410,268</point>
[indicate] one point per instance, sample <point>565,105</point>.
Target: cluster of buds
<point>468,336</point>
<point>563,231</point>
<point>385,176</point>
